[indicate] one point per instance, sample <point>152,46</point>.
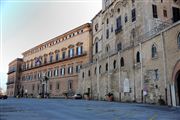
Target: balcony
<point>57,61</point>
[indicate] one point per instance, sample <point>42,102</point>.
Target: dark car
<point>77,96</point>
<point>3,96</point>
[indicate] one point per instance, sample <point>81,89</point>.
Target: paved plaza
<point>61,109</point>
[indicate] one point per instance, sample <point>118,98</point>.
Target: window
<point>56,71</point>
<point>96,47</point>
<point>89,73</point>
<point>176,14</point>
<point>118,10</point>
<point>118,24</point>
<point>125,18</point>
<point>57,56</point>
<point>45,60</point>
<point>133,14</point>
<point>96,27</point>
<point>71,52</point>
<point>178,41</point>
<point>100,69</point>
<point>154,10</point>
<point>62,71</point>
<point>106,66</point>
<point>31,64</point>
<point>114,64</point>
<point>133,33</point>
<point>156,72</point>
<point>138,57</point>
<point>153,51</point>
<point>122,62</point>
<point>39,75</point>
<point>50,58</point>
<point>49,74</point>
<point>78,67</point>
<point>165,13</point>
<point>79,50</point>
<point>95,70</point>
<point>107,33</point>
<point>107,48</point>
<point>107,21</point>
<point>70,70</point>
<point>119,46</point>
<point>83,75</point>
<point>57,86</point>
<point>64,55</point>
<point>112,28</point>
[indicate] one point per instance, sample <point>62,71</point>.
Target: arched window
<point>153,51</point>
<point>107,48</point>
<point>178,41</point>
<point>79,50</point>
<point>100,69</point>
<point>125,18</point>
<point>96,47</point>
<point>83,75</point>
<point>89,73</point>
<point>106,66</point>
<point>138,57</point>
<point>71,52</point>
<point>57,56</point>
<point>95,69</point>
<point>114,64</point>
<point>122,62</point>
<point>51,58</point>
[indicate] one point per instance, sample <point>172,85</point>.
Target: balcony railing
<point>56,61</point>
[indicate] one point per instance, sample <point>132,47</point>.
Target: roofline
<point>96,15</point>
<point>17,59</point>
<point>64,34</point>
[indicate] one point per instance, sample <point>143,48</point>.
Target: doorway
<point>178,88</point>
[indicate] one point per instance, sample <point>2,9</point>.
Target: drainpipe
<point>109,87</point>
<point>140,44</point>
<point>164,66</point>
<point>97,72</point>
<point>119,76</point>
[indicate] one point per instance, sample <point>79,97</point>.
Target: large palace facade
<point>136,52</point>
<point>132,50</point>
<point>51,67</point>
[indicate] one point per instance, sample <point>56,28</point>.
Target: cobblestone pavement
<point>60,109</point>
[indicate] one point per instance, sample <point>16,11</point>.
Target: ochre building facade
<point>52,67</point>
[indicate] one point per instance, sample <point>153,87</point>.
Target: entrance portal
<point>178,88</point>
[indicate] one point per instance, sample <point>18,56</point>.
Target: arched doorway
<point>178,88</point>
<point>175,86</point>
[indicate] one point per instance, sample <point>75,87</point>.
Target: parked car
<point>3,96</point>
<point>77,96</point>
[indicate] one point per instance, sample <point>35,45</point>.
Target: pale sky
<point>27,23</point>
